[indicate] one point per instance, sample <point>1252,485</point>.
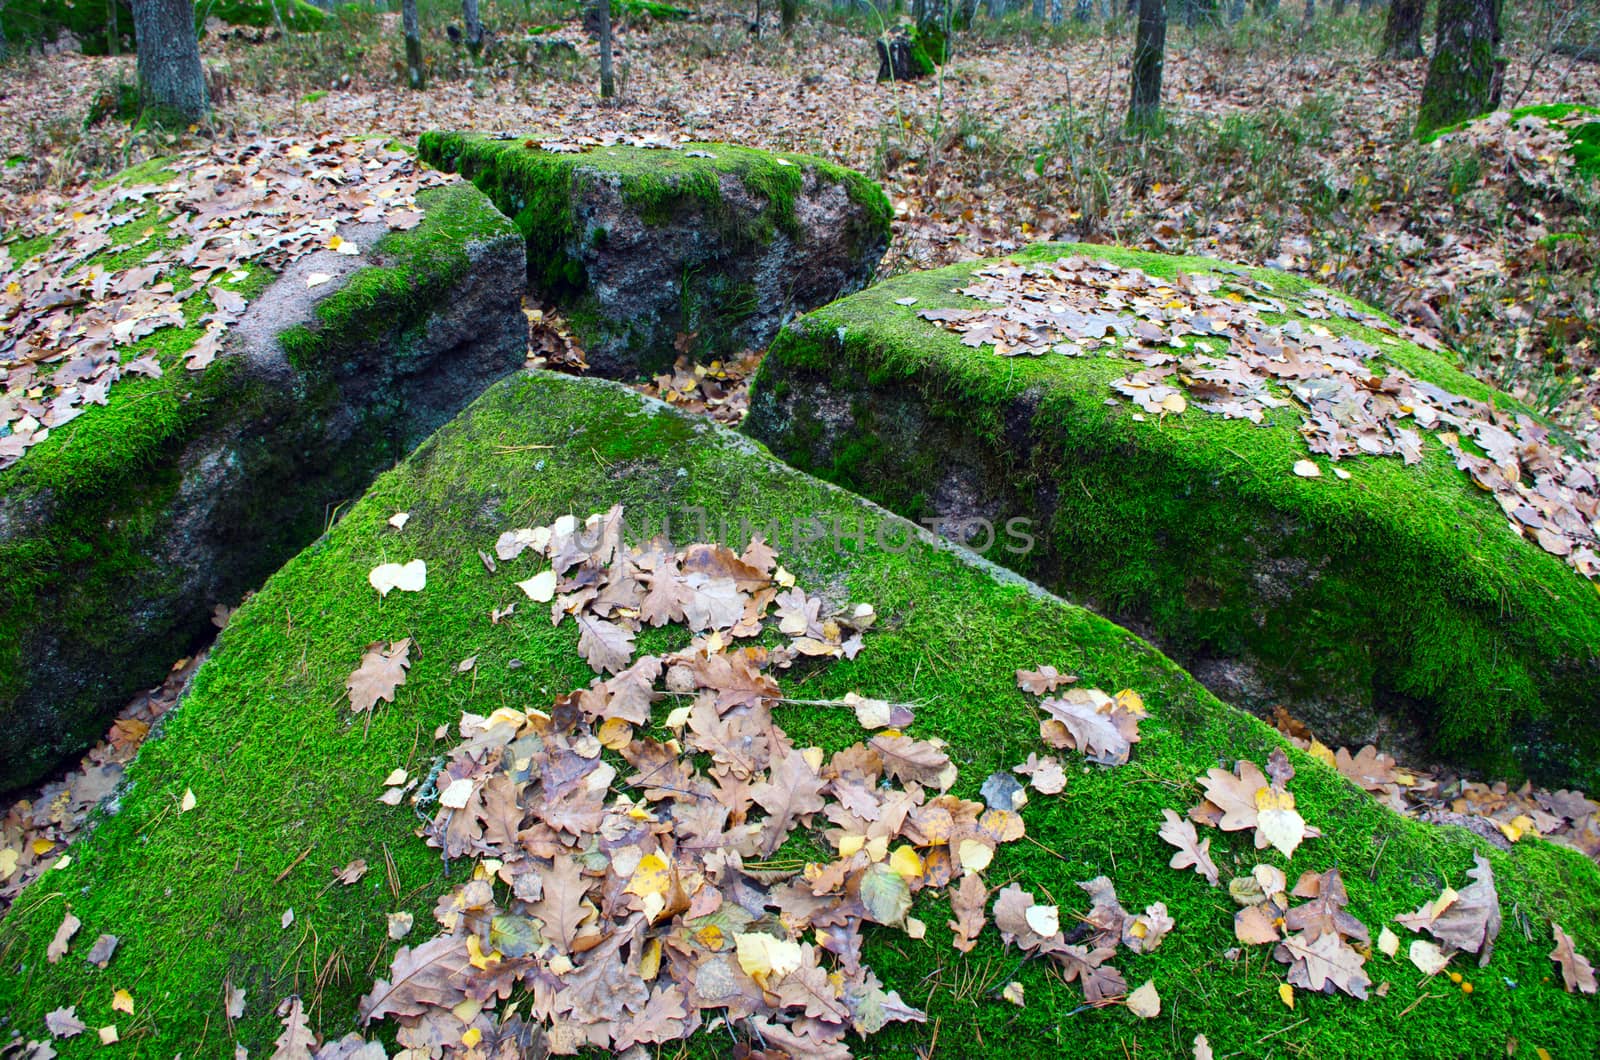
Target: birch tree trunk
<point>171,80</point>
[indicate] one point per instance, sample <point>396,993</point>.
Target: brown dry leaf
<point>1145,1002</point>
<point>793,790</point>
<point>100,953</point>
<point>1043,681</point>
<point>382,670</point>
<point>1577,974</point>
<point>1325,913</point>
<point>967,901</point>
<point>605,646</point>
<point>1471,921</point>
<point>1103,729</point>
<point>1256,925</point>
<point>232,1000</point>
<point>561,908</point>
<point>64,1022</point>
<point>1192,852</point>
<point>433,974</point>
<point>63,937</point>
<point>351,872</point>
<point>1045,775</point>
<point>297,1040</point>
<point>1323,963</point>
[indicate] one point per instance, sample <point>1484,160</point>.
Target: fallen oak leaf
<point>1577,974</point>
<point>382,670</point>
<point>967,901</point>
<point>1192,851</point>
<point>1466,920</point>
<point>63,938</point>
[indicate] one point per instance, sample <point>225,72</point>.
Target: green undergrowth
<point>102,486</point>
<point>96,22</point>
<point>542,190</point>
<point>1400,589</point>
<point>286,781</point>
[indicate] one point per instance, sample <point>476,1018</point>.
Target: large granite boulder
<point>703,249</point>
<point>244,885</point>
<point>200,368</point>
<point>1278,485</point>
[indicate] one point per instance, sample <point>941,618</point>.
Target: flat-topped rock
<point>199,369</point>
<point>220,869</point>
<point>703,249</point>
<point>1278,485</point>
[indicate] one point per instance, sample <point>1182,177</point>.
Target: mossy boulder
<point>286,779</point>
<point>1393,603</point>
<point>1580,124</point>
<point>701,248</point>
<point>123,529</point>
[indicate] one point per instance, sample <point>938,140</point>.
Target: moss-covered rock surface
<point>1383,597</point>
<point>264,784</point>
<point>181,415</point>
<point>699,248</point>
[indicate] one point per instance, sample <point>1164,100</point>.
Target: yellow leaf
<point>472,1037</point>
<point>762,956</point>
<point>615,734</point>
<point>1013,993</point>
<point>108,1035</point>
<point>906,862</point>
<point>650,963</point>
<point>42,846</point>
<point>1145,1002</point>
<point>973,855</point>
<point>1286,995</point>
<point>1321,753</point>
<point>122,1001</point>
<point>849,844</point>
<point>188,801</point>
<point>652,876</point>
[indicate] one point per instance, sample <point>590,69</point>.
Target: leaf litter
<point>1205,339</point>
<point>70,328</point>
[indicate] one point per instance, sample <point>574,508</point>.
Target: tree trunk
<point>415,77</point>
<point>474,25</point>
<point>1402,32</point>
<point>1311,11</point>
<point>1056,12</point>
<point>608,87</point>
<point>1465,76</point>
<point>1149,52</point>
<point>113,33</point>
<point>1338,8</point>
<point>1235,11</point>
<point>1083,10</point>
<point>1038,10</point>
<point>171,81</point>
<point>789,11</point>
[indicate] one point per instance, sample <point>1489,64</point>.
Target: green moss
<point>286,782</point>
<point>314,97</point>
<point>539,190</point>
<point>98,490</point>
<point>1402,583</point>
<point>297,15</point>
<point>401,288</point>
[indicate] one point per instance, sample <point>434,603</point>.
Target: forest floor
<point>1287,145</point>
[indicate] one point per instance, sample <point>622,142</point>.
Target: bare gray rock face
<point>319,388</point>
<point>705,249</point>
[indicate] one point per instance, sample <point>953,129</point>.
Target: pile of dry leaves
<point>635,883</point>
<point>1203,337</point>
<point>70,329</point>
<point>38,828</point>
<point>1492,809</point>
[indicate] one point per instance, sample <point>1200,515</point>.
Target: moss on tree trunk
<point>1465,74</point>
